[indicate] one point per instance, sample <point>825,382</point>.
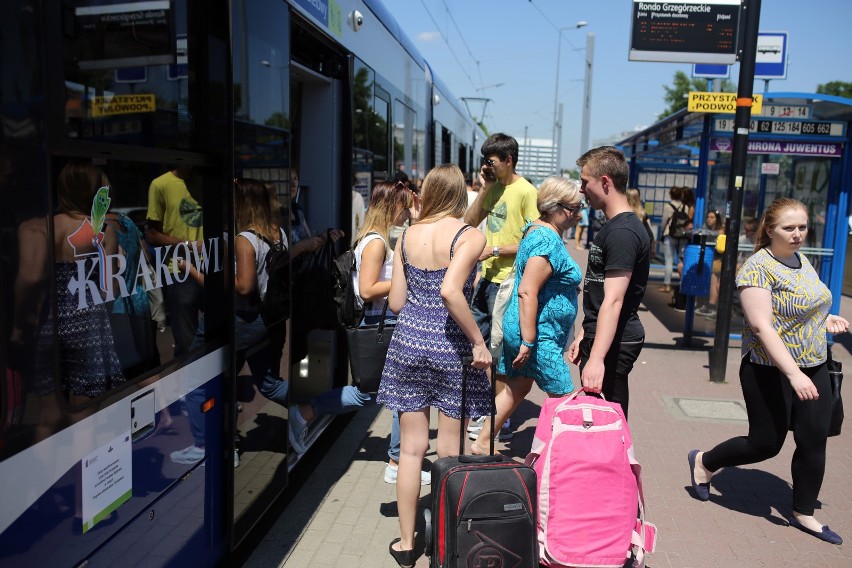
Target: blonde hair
<point>252,208</point>
<point>635,202</point>
<point>386,201</point>
<point>444,193</point>
<point>769,219</point>
<point>555,190</point>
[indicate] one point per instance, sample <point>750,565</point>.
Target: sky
<point>506,50</point>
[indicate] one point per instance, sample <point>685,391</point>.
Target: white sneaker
<point>391,471</point>
<point>504,435</point>
<point>190,455</point>
<point>475,424</point>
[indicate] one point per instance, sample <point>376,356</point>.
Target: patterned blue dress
<point>423,365</point>
<point>557,308</point>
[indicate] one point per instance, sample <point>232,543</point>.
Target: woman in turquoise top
<point>543,305</point>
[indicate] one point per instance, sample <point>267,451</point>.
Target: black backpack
<point>343,269</point>
<point>275,306</point>
<point>348,312</point>
<point>679,222</point>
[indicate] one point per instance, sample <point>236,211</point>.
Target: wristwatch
<point>495,251</point>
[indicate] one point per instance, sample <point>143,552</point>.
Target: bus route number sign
<point>789,127</point>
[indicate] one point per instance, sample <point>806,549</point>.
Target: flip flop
<point>476,450</point>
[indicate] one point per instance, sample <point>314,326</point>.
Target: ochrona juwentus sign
<point>686,31</point>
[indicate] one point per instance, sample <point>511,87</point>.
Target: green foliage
<point>278,120</point>
<point>837,88</point>
<point>676,94</point>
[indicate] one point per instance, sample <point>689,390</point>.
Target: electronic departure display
<point>687,31</point>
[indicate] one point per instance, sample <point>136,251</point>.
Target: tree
<point>676,95</point>
<point>837,88</point>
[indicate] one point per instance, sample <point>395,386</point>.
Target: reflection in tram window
<point>175,221</point>
<point>83,245</point>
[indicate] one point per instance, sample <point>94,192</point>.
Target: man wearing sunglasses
<point>612,336</point>
<point>507,202</point>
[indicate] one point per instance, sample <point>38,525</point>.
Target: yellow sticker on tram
<point>123,104</point>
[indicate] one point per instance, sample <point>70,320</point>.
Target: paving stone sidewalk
<point>345,515</point>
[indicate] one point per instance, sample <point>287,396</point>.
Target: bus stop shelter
<point>798,147</point>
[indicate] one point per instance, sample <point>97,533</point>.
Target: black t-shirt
<point>621,244</point>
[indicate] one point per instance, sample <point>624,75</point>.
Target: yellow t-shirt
<point>508,209</point>
<point>170,203</point>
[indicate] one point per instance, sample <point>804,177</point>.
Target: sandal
<point>476,450</point>
<point>404,558</point>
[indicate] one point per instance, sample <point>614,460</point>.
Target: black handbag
<point>835,376</point>
<point>368,348</point>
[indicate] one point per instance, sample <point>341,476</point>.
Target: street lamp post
<point>557,128</point>
<point>587,92</point>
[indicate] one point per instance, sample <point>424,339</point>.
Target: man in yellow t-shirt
<point>507,202</point>
<point>175,220</point>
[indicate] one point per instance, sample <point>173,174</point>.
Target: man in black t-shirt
<point>616,275</point>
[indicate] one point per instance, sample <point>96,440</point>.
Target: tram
<point>101,400</point>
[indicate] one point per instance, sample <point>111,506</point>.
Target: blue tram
<point>112,362</point>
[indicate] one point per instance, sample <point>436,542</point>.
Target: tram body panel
<point>140,505</point>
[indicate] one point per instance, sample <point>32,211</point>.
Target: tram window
<point>261,62</point>
<point>404,155</point>
<point>106,322</point>
<point>362,99</point>
<point>380,138</point>
<point>133,84</point>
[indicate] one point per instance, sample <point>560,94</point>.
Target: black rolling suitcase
<point>483,509</point>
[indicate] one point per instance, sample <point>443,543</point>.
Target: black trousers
<point>772,408</point>
<point>618,363</point>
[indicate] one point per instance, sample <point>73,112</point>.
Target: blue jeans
<point>263,364</point>
<point>482,306</point>
<point>350,399</point>
<point>670,250</point>
<point>183,300</point>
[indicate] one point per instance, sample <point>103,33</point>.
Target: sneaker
<point>475,425</point>
<point>298,431</point>
<point>711,315</point>
<point>504,435</point>
<point>704,310</point>
<point>236,459</point>
<point>391,471</point>
<point>192,454</point>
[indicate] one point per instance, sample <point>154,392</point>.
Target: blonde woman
<point>542,308</point>
<point>783,371</point>
<point>434,267</point>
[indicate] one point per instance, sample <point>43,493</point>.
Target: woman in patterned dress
<point>88,363</point>
<point>783,371</point>
<point>542,307</point>
<point>434,267</point>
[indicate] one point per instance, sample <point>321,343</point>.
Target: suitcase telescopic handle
<point>466,362</point>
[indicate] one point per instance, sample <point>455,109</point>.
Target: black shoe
<point>825,534</point>
<point>405,558</point>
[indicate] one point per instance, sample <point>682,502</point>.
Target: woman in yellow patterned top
<point>783,371</point>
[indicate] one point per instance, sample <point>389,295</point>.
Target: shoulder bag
<point>368,348</point>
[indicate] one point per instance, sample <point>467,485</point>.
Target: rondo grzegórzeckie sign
<point>685,31</point>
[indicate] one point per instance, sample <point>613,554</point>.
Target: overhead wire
<point>447,41</point>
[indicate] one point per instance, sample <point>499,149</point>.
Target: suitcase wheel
<point>427,531</point>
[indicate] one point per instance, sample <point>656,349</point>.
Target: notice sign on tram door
<point>107,480</point>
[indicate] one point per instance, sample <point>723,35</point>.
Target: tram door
<point>320,201</point>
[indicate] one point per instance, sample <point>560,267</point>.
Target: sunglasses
<point>488,162</point>
<point>570,209</point>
